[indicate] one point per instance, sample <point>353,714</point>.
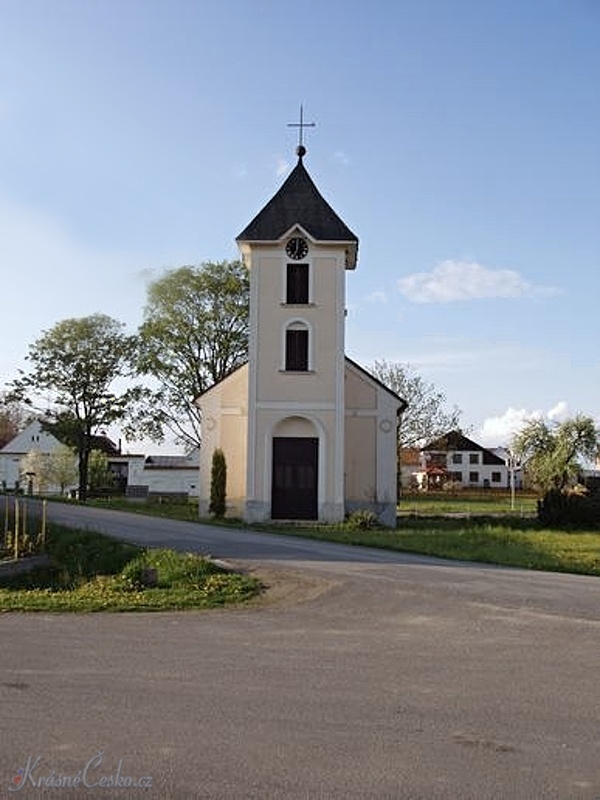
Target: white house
<point>33,439</point>
<point>136,474</point>
<point>454,457</point>
<point>164,475</point>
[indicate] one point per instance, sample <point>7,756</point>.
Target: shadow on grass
<point>75,556</point>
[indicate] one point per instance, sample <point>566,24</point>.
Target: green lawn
<point>517,543</point>
<point>462,502</point>
<point>188,512</point>
<point>92,572</point>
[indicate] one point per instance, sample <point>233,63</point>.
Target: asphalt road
<point>365,674</point>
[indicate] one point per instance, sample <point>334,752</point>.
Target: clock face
<point>297,248</point>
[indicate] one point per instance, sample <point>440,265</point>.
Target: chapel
<point>307,433</point>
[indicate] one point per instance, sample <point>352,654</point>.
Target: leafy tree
<point>218,484</point>
<point>62,467</point>
<point>195,332</point>
<point>425,418</point>
<point>99,476</point>
<point>74,365</point>
<point>34,471</point>
<point>551,451</point>
<point>13,418</point>
<point>58,468</point>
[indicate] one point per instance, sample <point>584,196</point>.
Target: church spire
<point>299,203</point>
<point>301,150</point>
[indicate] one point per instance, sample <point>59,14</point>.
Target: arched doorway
<point>295,470</point>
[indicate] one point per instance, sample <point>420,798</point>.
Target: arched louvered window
<point>297,347</point>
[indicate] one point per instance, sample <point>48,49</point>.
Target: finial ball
<point>300,150</point>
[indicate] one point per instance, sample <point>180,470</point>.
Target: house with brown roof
<point>455,458</point>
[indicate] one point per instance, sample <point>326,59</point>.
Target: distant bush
<point>571,510</point>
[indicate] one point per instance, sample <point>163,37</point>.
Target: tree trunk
<point>84,460</point>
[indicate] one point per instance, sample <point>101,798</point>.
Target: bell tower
<point>297,250</point>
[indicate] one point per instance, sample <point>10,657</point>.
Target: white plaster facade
<point>165,475</point>
<point>346,416</point>
<point>153,474</point>
<point>278,399</point>
<point>32,439</point>
<point>370,420</point>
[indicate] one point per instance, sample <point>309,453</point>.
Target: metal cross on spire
<point>301,150</point>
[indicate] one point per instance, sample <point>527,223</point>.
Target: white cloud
<point>559,413</point>
<point>341,158</point>
<point>377,296</point>
<point>282,166</point>
<point>498,431</point>
<point>451,281</point>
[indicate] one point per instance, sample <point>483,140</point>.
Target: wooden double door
<point>294,493</point>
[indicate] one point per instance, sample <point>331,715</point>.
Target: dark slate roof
<point>105,445</point>
<point>458,442</point>
<point>298,202</point>
<point>171,462</point>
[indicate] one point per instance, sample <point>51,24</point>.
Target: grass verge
<point>187,512</point>
<point>92,572</point>
<point>464,502</point>
<point>512,542</point>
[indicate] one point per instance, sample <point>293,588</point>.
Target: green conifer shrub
<point>218,484</point>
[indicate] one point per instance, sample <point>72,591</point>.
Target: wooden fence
<point>24,524</point>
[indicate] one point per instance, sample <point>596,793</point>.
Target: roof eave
<point>351,245</point>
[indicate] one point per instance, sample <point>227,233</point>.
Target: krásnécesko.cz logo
<point>91,776</point>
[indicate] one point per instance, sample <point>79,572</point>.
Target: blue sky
<point>459,140</point>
